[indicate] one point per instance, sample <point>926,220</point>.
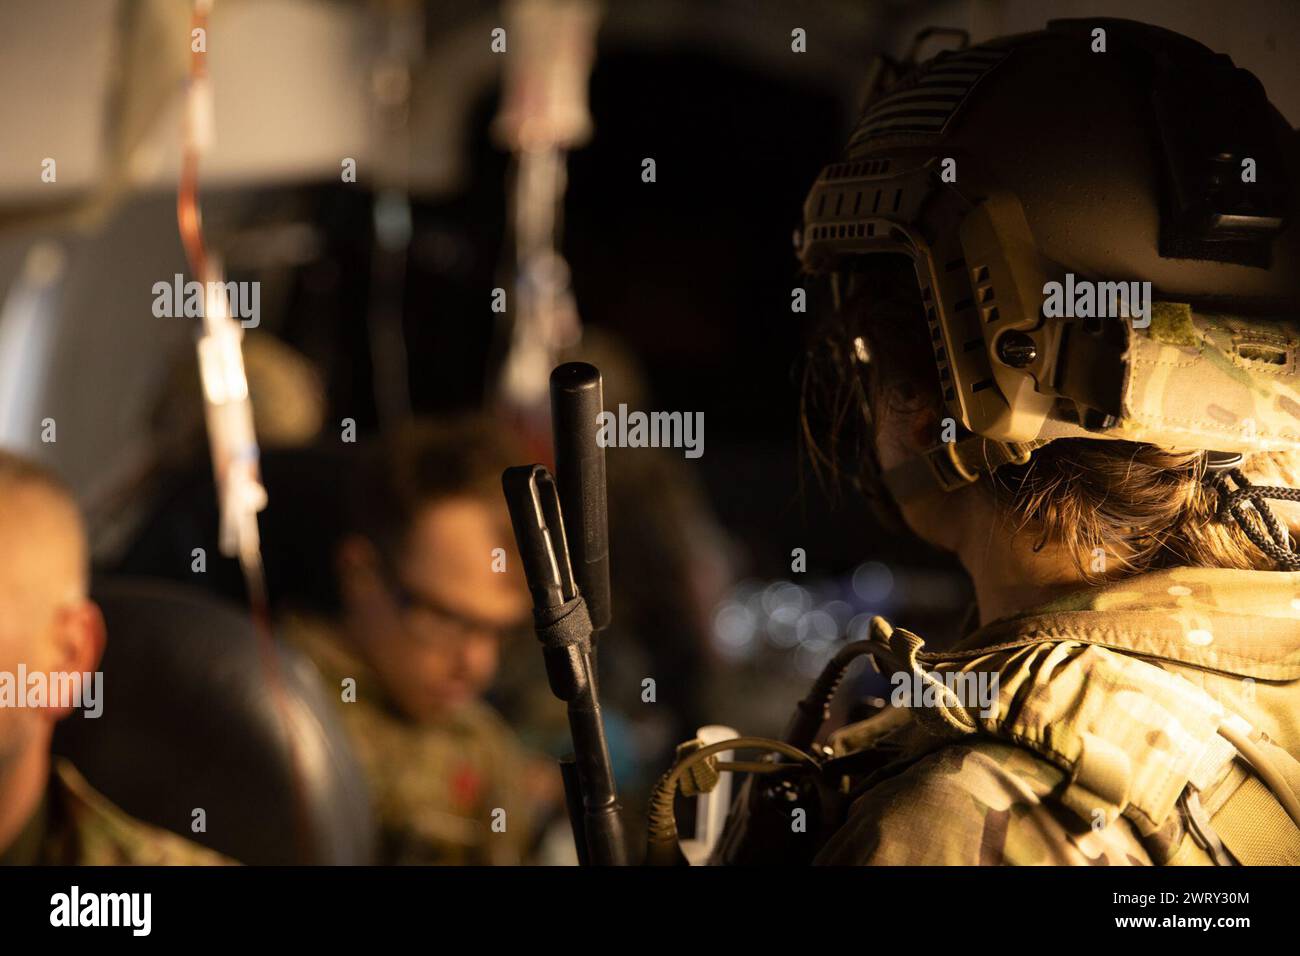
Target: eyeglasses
<point>450,626</point>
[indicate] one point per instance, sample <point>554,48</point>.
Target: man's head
<point>48,624</point>
<point>425,596</point>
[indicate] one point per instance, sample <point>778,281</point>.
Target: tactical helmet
<point>1092,153</point>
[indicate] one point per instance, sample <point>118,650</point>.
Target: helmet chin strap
<point>952,465</point>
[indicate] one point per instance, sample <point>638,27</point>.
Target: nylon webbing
<point>1255,828</point>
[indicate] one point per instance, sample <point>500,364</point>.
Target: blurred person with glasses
<point>428,591</point>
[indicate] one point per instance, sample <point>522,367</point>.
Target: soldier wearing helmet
<point>1065,344</point>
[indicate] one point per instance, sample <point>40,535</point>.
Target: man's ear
<point>80,636</point>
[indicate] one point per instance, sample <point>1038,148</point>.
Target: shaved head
<point>42,540</point>
<point>47,623</point>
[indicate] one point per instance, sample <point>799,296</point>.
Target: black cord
<point>1233,501</point>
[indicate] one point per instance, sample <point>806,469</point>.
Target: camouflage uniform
<point>1104,746</point>
<point>76,826</point>
<point>435,786</point>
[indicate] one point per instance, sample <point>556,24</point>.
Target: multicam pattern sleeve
<point>979,804</point>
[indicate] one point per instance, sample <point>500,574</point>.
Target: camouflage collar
<point>1244,623</point>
